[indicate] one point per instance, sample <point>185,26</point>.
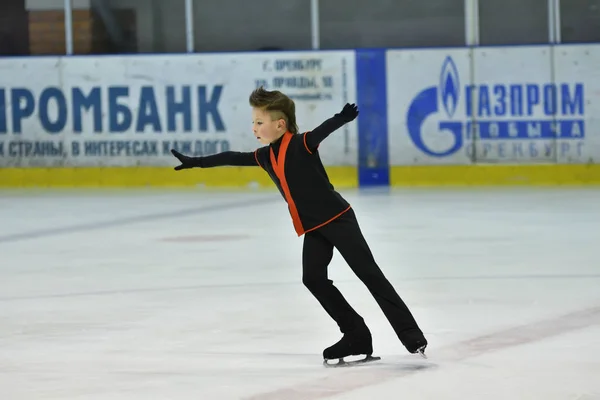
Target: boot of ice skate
<point>414,341</point>
<point>354,343</point>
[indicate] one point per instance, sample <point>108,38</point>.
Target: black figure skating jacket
<point>294,165</point>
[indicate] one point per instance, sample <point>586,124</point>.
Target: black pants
<point>345,235</point>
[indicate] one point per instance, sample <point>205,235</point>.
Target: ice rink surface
<point>198,295</point>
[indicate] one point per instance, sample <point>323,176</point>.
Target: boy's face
<point>265,129</point>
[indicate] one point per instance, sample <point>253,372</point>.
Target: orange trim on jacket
<point>306,145</point>
<point>279,168</point>
<point>326,222</point>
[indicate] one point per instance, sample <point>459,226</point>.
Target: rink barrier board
<point>374,166</point>
<point>123,177</point>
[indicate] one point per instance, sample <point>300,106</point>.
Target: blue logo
<point>503,120</point>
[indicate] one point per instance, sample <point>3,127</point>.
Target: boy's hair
<point>277,104</point>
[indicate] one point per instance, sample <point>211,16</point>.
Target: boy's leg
<point>346,236</point>
<point>316,256</point>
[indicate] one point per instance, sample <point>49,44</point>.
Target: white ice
<point>197,294</point>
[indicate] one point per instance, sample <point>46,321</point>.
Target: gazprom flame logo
<point>427,103</point>
<point>449,86</point>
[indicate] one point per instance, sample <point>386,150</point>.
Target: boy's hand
<point>186,162</point>
<point>349,112</point>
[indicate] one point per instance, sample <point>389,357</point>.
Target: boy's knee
<point>314,283</point>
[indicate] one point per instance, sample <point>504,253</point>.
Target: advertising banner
<point>511,105</point>
<point>128,111</point>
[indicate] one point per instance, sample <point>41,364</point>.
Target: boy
<point>322,215</point>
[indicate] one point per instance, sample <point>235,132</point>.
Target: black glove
<point>349,112</point>
<point>186,161</point>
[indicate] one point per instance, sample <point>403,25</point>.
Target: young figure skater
<point>322,215</point>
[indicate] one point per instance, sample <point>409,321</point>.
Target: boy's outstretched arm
<point>235,158</point>
<point>313,138</point>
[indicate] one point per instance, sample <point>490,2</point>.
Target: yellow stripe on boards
<point>495,175</point>
<point>240,177</point>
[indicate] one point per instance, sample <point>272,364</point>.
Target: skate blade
<point>421,351</point>
<point>343,363</point>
